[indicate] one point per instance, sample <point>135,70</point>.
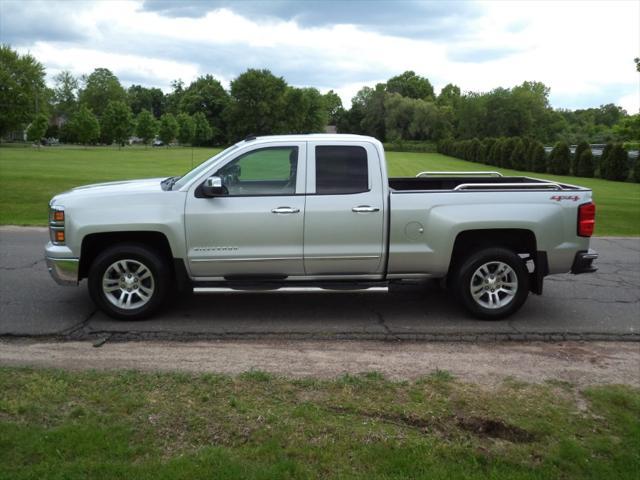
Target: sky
<point>582,50</point>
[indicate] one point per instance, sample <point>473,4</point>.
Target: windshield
<point>196,172</point>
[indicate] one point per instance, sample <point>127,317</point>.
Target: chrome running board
<point>207,290</point>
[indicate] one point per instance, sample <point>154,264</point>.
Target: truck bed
<point>439,183</point>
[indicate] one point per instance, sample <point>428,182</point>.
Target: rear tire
<point>129,281</point>
<point>491,283</point>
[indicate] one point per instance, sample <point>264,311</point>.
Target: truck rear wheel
<point>492,283</point>
<point>129,281</point>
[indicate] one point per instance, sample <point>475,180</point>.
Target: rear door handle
<point>365,209</point>
<point>284,210</point>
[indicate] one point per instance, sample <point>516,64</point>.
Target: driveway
<point>601,306</point>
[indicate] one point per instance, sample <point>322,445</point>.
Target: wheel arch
<point>94,243</point>
<point>518,240</point>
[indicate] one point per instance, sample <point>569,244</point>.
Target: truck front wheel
<point>492,283</point>
<point>129,281</point>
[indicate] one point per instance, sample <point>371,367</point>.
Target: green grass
<point>30,177</point>
<point>56,424</point>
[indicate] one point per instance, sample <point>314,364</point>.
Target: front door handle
<point>284,210</point>
<point>365,209</point>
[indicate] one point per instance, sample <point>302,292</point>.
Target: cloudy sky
<point>583,50</point>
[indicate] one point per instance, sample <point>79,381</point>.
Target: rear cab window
<point>341,169</point>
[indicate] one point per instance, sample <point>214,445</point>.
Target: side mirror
<point>212,187</point>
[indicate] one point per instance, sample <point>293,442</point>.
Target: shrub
<point>518,155</point>
<point>616,165</point>
<point>581,147</point>
<point>505,153</point>
<point>584,166</point>
<point>560,159</point>
<point>474,150</point>
<point>603,158</point>
<point>537,158</point>
<point>493,156</point>
<point>487,145</point>
<point>636,171</point>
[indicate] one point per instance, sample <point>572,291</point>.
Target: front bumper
<point>64,270</point>
<point>583,262</point>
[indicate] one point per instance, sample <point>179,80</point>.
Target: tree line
<point>524,153</point>
<point>96,108</point>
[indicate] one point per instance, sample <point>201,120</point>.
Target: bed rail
<point>459,174</point>
<point>509,186</point>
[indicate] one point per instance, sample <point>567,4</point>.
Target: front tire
<point>492,283</point>
<point>129,281</point>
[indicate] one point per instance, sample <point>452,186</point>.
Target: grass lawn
<point>30,177</point>
<point>56,424</point>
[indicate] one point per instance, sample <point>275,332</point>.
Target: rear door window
<point>341,170</point>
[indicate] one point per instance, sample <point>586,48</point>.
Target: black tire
<point>487,303</point>
<point>132,255</point>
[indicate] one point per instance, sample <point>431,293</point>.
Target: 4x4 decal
<point>558,198</point>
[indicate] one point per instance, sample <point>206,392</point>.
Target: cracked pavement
<point>600,306</point>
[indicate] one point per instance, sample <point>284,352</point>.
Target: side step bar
<point>301,289</point>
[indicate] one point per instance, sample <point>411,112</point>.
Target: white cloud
<point>583,51</point>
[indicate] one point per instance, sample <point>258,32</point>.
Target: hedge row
<point>526,154</point>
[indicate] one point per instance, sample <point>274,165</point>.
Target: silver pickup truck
<point>317,213</point>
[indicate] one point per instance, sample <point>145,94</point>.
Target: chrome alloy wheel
<point>494,285</point>
<point>128,284</point>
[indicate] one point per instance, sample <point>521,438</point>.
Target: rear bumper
<point>583,262</point>
<point>63,270</point>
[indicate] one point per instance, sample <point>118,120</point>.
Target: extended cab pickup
<point>317,212</point>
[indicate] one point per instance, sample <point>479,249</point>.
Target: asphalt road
<point>604,305</point>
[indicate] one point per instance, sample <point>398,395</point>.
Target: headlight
<point>56,224</point>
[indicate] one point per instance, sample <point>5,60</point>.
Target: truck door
<point>255,230</point>
<point>344,214</point>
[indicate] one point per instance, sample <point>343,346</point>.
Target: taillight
<point>586,219</point>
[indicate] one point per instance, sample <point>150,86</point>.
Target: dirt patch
<point>483,427</point>
<point>484,363</point>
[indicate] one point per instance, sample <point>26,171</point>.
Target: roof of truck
<point>336,137</point>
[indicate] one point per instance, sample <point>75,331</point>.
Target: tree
<point>372,102</point>
<point>117,122</point>
<point>141,98</point>
<point>537,158</point>
<point>36,130</point>
<point>304,110</point>
<point>560,159</point>
<point>22,89</point>
<point>186,129</point>
<point>584,165</point>
<point>146,126</point>
<point>616,164</point>
<point>408,84</point>
<point>636,171</point>
<point>65,94</point>
<point>257,104</point>
<point>172,100</point>
<point>100,89</point>
<point>202,131</point>
<point>84,126</point>
<point>429,122</point>
<point>399,112</point>
<point>449,96</point>
<point>333,106</point>
<point>207,95</point>
<point>168,128</point>
<point>628,129</point>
